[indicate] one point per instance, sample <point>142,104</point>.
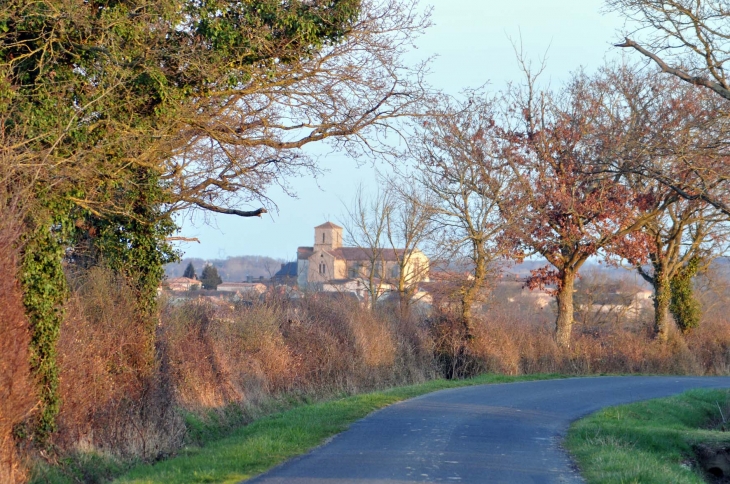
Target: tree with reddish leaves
<point>564,209</point>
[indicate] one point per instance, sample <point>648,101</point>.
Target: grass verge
<point>648,442</point>
<point>268,441</point>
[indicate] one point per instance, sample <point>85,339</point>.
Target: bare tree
<point>689,39</point>
<point>409,226</point>
<point>456,151</point>
<point>366,227</point>
<point>671,149</point>
<point>216,118</point>
<point>350,94</point>
<point>389,227</point>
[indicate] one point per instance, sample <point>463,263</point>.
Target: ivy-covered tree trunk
<point>134,245</point>
<point>684,306</point>
<point>44,292</point>
<point>564,321</point>
<point>662,298</point>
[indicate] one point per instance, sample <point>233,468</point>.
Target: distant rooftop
<point>328,225</point>
<point>287,270</point>
<point>354,253</point>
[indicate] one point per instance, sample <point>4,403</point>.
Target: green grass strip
<point>268,441</point>
<point>647,442</point>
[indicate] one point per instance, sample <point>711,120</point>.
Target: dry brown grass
<point>17,398</point>
<point>218,355</point>
<point>518,347</point>
<point>114,398</point>
<point>233,354</point>
<point>215,355</point>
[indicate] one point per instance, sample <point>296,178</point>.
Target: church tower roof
<point>328,225</point>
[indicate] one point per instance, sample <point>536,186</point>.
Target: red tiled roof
<point>357,253</point>
<point>353,253</point>
<point>303,253</point>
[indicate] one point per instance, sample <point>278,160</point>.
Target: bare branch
<point>695,80</point>
<point>230,211</point>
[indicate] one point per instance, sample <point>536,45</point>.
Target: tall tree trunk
<point>564,322</point>
<point>470,293</point>
<point>404,303</point>
<point>662,299</point>
<point>405,307</point>
<point>467,301</point>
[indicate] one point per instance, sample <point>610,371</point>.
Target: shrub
<point>116,400</point>
<point>226,353</point>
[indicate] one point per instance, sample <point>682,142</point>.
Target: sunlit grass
<point>271,440</point>
<point>647,442</point>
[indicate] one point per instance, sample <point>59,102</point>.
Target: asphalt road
<point>485,434</point>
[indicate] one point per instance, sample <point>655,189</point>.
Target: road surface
<point>507,433</point>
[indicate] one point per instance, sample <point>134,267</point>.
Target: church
<point>328,262</point>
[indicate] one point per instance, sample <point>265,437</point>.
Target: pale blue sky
<point>471,40</point>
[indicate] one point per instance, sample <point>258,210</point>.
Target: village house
<point>286,275</point>
<point>182,284</point>
<point>330,266</point>
<point>250,289</point>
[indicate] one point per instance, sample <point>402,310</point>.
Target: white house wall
<point>302,273</point>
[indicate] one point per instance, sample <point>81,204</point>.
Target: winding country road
<point>484,434</point>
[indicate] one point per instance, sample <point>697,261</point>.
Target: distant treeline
<point>236,269</point>
<point>232,269</point>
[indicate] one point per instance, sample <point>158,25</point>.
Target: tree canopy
<point>190,271</point>
<point>213,97</point>
<point>115,114</point>
<point>210,278</point>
